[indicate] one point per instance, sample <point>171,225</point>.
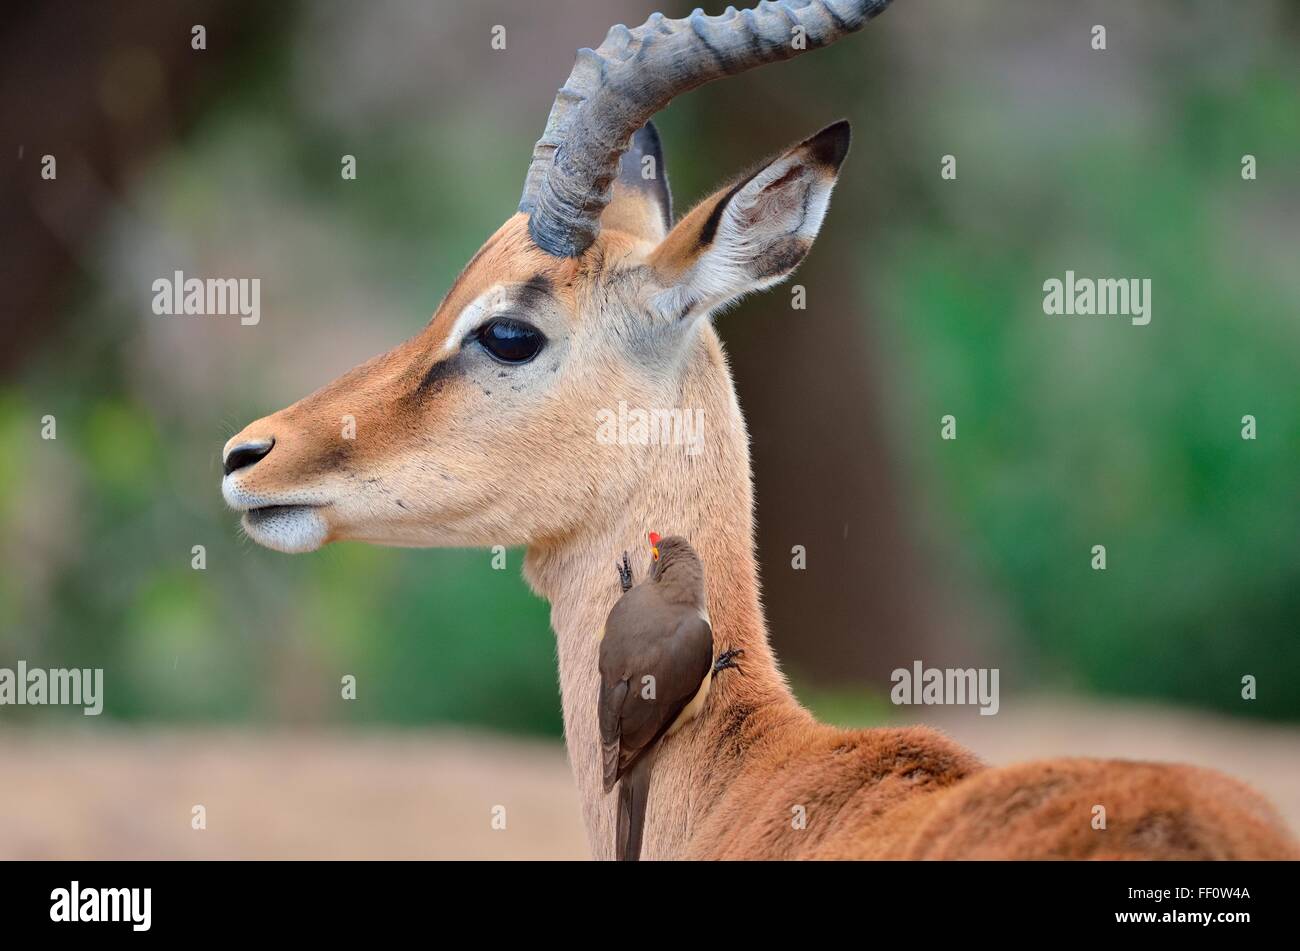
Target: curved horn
<point>616,89</point>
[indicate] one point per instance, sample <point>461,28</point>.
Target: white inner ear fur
<point>780,208</point>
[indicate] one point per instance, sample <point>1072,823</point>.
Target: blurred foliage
<point>1077,431</point>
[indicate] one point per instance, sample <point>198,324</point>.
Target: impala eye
<point>510,341</point>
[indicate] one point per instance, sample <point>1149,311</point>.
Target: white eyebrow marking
<point>475,312</point>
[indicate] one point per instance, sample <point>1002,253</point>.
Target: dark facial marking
<point>437,377</point>
<point>533,293</point>
<point>334,458</point>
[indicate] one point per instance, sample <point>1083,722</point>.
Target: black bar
<point>366,899</point>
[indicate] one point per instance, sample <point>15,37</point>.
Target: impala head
<point>482,429</point>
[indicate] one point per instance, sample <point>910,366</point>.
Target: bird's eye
<point>510,341</point>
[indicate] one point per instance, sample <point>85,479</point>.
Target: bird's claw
<point>625,574</point>
<point>727,659</point>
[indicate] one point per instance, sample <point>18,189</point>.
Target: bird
<point>656,667</point>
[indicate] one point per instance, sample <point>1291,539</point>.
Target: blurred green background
<point>924,299</point>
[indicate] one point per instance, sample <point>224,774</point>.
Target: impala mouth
<point>288,528</point>
<point>266,511</point>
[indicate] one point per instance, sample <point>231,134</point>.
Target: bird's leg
<point>727,659</point>
<point>625,574</point>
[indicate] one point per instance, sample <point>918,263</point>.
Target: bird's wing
<point>612,697</point>
<point>696,634</point>
<point>676,651</point>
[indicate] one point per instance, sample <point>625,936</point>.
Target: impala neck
<point>708,498</point>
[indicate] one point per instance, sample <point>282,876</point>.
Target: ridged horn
<point>616,89</point>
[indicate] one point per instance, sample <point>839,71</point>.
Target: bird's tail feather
<point>633,794</point>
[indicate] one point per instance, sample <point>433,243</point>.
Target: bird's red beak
<point>654,545</point>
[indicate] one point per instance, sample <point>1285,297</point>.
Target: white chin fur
<point>291,529</point>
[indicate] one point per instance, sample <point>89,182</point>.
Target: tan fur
<point>676,255</point>
<point>461,466</point>
<point>634,213</point>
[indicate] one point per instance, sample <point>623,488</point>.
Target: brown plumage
<point>656,664</point>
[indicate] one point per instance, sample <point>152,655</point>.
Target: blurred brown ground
<point>123,794</point>
<point>127,794</point>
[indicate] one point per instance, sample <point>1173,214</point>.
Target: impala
<point>482,430</point>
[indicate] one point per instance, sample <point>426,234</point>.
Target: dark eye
<point>511,341</point>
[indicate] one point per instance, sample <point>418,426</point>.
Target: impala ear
<point>641,204</point>
<point>752,234</point>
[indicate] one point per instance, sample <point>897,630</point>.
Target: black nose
<point>246,454</point>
